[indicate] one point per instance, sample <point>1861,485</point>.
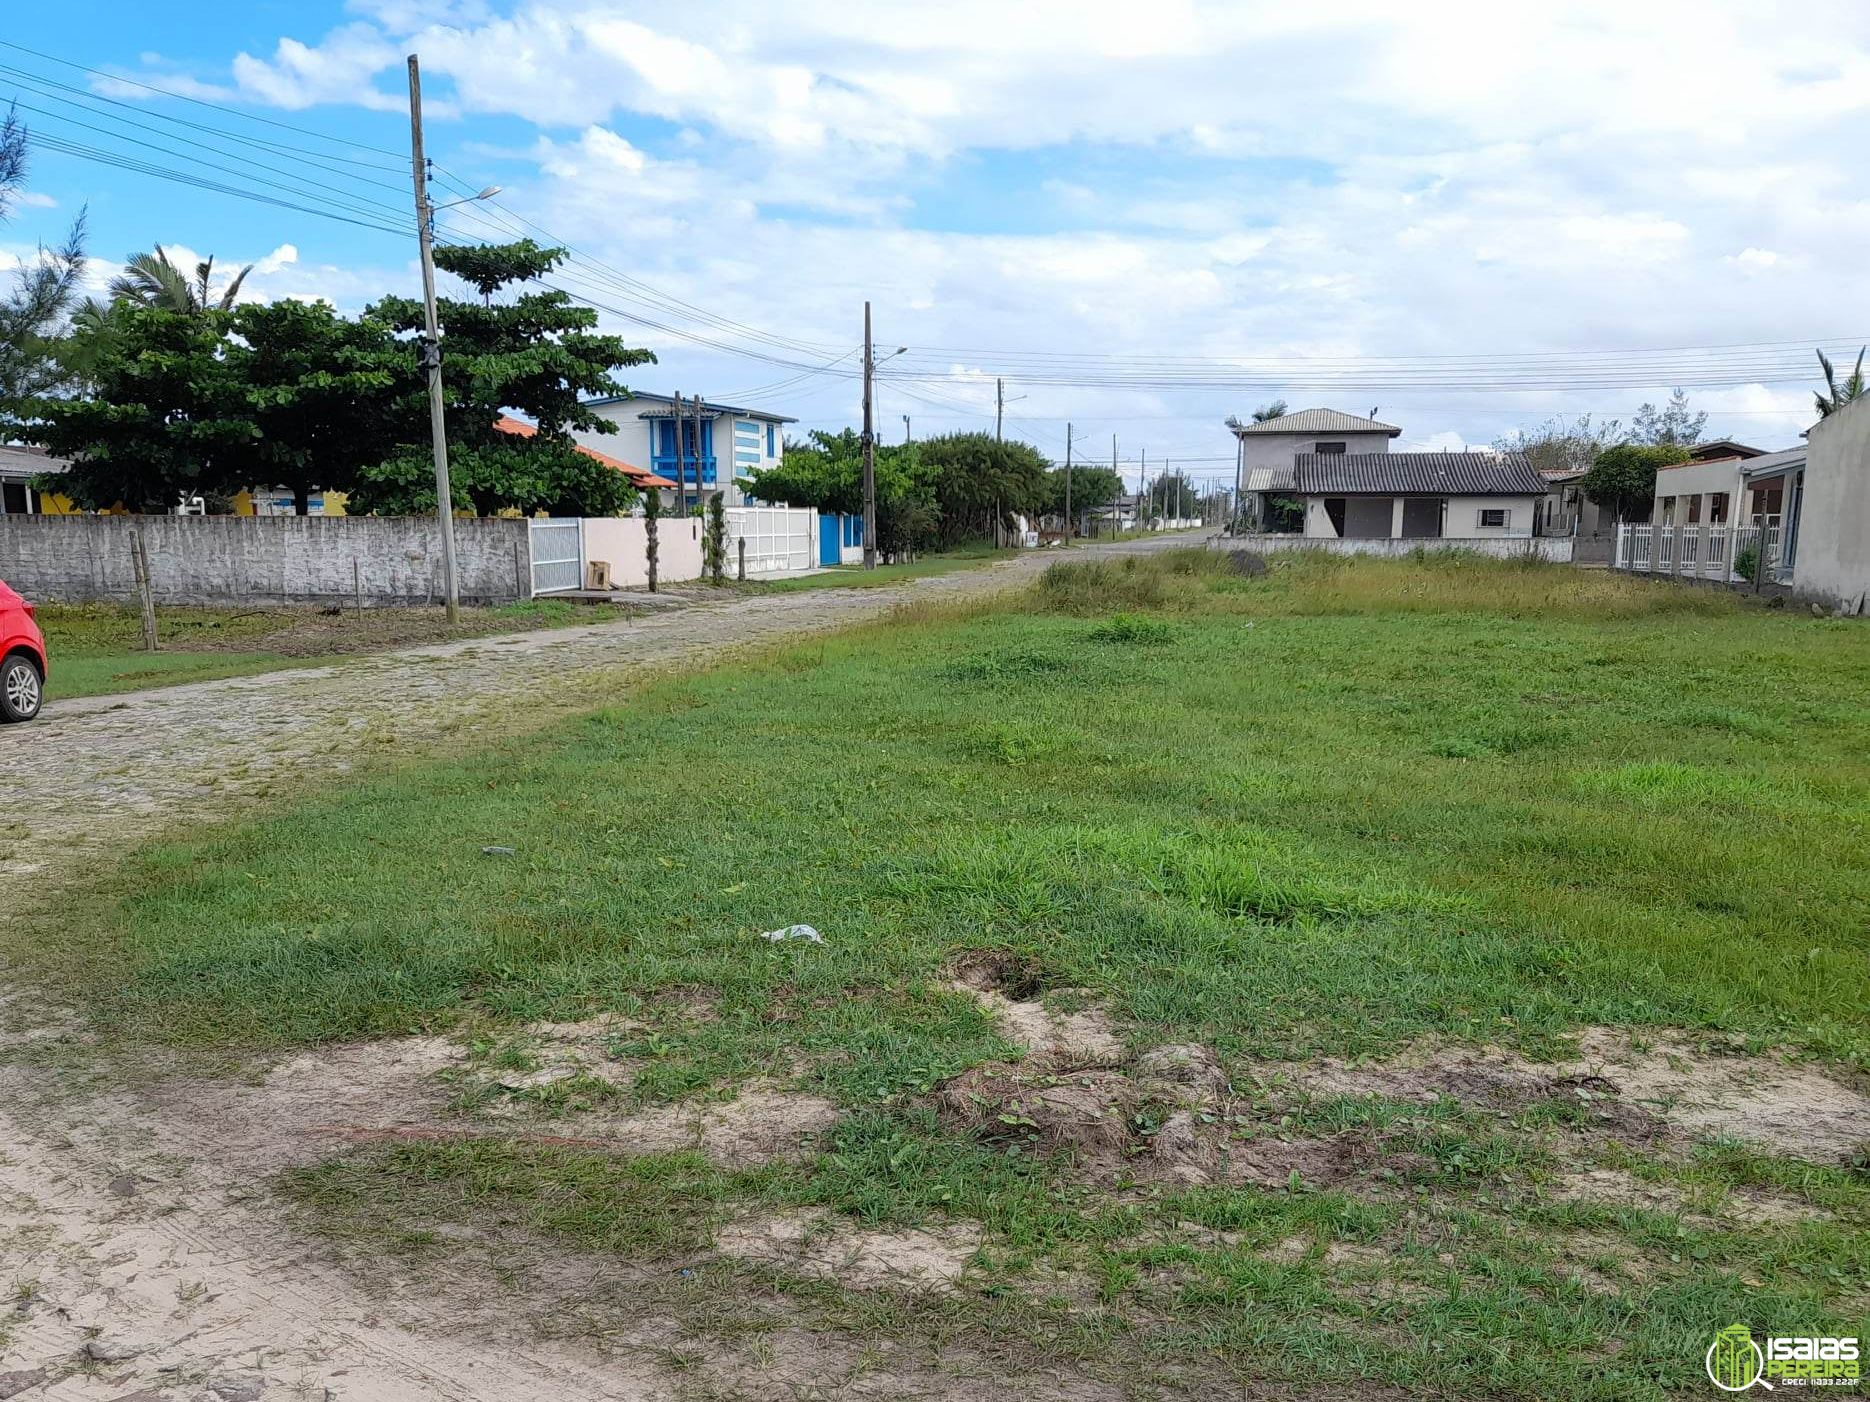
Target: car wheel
<point>22,689</point>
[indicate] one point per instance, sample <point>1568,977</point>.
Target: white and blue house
<point>732,442</point>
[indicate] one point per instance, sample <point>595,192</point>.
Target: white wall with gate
<point>780,539</point>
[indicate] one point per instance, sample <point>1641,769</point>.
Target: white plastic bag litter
<point>793,932</point>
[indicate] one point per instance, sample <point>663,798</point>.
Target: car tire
<point>22,688</point>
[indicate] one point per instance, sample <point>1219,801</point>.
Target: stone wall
<point>217,560</point>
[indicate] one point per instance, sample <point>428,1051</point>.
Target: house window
<point>1668,511</point>
<point>1327,447</point>
<point>1694,509</point>
<point>769,440</point>
<point>13,498</point>
<point>1494,518</point>
<point>1717,509</point>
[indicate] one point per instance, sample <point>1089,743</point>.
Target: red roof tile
<point>640,477</point>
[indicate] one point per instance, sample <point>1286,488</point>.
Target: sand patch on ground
<point>817,1244</point>
<point>1007,988</point>
<point>1770,1101</point>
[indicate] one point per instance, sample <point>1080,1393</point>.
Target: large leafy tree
<point>32,310</point>
<point>1623,479</point>
<point>168,416</point>
<point>535,353</point>
<point>153,280</point>
<point>1091,488</point>
<point>326,395</point>
<point>1839,395</point>
<point>976,476</point>
<point>1673,423</point>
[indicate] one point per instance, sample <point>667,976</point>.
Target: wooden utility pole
<point>145,596</point>
<point>1068,532</point>
<point>431,353</point>
<point>870,451</point>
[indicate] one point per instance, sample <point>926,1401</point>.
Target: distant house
<point>1820,495</point>
<point>1722,448</point>
<point>732,442</point>
<point>641,478</point>
<point>1729,491</point>
<point>1269,448</point>
<point>19,466</point>
<point>1418,496</point>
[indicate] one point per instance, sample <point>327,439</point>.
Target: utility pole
<point>999,406</point>
<point>1119,476</point>
<point>1240,464</point>
<point>694,406</point>
<point>1067,482</point>
<point>431,353</point>
<point>870,453</point>
<point>1142,491</point>
<point>681,455</point>
<point>908,433</point>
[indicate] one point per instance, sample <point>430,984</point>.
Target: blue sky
<point>1112,206</point>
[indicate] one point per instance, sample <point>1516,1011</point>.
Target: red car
<point>22,658</point>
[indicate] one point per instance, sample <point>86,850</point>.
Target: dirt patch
<point>1007,986</point>
<point>817,1244</point>
<point>1613,1187</point>
<point>1788,1107</point>
<point>1634,1087</point>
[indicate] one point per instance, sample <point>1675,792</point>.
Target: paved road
<point>97,771</point>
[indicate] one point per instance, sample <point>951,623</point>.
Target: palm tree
<point>1275,410</point>
<point>1853,388</point>
<point>151,280</point>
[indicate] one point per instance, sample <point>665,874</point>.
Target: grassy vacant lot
<point>856,577</point>
<point>97,649</point>
<point>1301,821</point>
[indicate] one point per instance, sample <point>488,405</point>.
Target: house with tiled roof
<point>705,449</point>
<point>1268,448</point>
<point>1418,496</point>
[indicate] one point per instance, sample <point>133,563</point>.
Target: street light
<point>486,194</point>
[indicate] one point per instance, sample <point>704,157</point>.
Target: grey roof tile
<point>1320,421</point>
<point>1429,474</point>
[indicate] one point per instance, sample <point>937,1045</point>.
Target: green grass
<point>1323,811</point>
<point>856,577</point>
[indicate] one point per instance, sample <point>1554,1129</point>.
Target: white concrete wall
<point>622,541</point>
<point>1460,521</point>
<point>1557,549</point>
<point>1832,560</point>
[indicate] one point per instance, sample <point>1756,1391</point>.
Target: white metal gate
<point>557,554</point>
<point>778,538</point>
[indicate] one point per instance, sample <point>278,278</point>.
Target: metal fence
<point>779,538</point>
<point>557,554</point>
<point>1723,553</point>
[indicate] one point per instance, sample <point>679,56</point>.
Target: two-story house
<point>1268,451</point>
<point>718,442</point>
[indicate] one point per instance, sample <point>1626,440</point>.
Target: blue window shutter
<point>769,440</point>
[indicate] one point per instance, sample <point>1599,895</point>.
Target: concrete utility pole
<point>870,453</point>
<point>694,406</point>
<point>1240,466</point>
<point>908,433</point>
<point>999,406</point>
<point>431,353</point>
<point>1142,491</point>
<point>1067,481</point>
<point>681,451</point>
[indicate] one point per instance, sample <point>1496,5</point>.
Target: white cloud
<point>34,199</point>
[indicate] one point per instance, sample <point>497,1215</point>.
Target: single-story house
<point>1418,496</point>
<point>749,441</point>
<point>19,466</point>
<point>1709,449</point>
<point>1730,491</point>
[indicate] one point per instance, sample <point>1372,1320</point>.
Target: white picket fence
<point>1696,552</point>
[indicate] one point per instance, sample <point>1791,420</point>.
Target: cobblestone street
<point>102,771</point>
